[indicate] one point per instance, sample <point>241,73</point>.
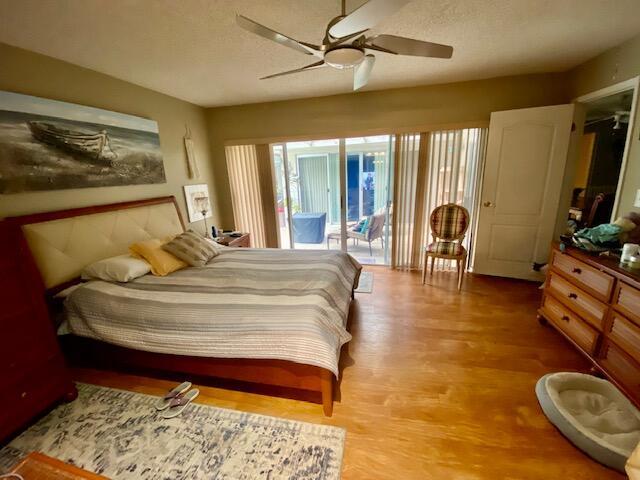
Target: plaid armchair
<point>449,223</point>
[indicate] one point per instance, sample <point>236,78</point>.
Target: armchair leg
<point>433,261</point>
<point>424,267</point>
<point>461,270</point>
<point>370,251</point>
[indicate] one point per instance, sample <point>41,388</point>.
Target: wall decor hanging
<point>50,145</point>
<point>192,162</point>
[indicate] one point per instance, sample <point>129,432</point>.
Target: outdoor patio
<point>357,248</point>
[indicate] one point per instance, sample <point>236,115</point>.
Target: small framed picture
<point>198,203</point>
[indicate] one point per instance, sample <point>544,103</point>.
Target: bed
<point>261,316</point>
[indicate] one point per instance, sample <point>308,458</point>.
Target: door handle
<point>489,204</point>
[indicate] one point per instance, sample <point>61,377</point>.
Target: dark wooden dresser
<point>595,303</point>
<point>32,369</point>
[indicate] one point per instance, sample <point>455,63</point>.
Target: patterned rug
<point>119,435</point>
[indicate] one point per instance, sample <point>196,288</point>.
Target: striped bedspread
<point>246,303</point>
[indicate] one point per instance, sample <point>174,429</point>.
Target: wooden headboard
<point>63,242</point>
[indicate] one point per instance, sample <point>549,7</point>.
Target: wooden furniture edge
<point>582,286</point>
<point>605,264</point>
<point>323,377</point>
<point>270,372</point>
<point>620,276</point>
<point>56,466</point>
<point>589,356</point>
<point>92,209</point>
<point>628,393</point>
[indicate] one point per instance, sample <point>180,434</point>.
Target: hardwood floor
<point>436,384</point>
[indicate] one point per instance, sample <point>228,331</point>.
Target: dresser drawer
<point>627,301</point>
<point>626,335</point>
<point>570,323</point>
<point>25,344</point>
<point>14,296</point>
<point>598,283</point>
<point>590,309</point>
<point>37,389</point>
<point>621,367</point>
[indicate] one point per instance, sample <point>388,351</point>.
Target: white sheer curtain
<point>251,182</point>
<point>455,162</point>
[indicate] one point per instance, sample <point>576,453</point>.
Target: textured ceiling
<point>193,50</point>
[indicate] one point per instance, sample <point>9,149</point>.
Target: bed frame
<point>87,352</point>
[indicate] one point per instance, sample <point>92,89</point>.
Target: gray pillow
<point>191,248</point>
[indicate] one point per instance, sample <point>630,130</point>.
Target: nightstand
<point>244,241</point>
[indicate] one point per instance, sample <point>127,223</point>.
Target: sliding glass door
<point>308,193</point>
<point>368,191</point>
<point>312,177</point>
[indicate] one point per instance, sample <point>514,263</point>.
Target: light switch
<point>637,202</point>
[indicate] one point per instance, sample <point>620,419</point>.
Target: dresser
<point>595,303</point>
<point>32,369</point>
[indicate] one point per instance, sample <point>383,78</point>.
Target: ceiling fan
<point>345,45</point>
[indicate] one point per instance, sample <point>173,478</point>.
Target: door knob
<point>489,204</point>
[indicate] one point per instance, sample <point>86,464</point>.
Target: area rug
<point>120,435</point>
<point>365,284</point>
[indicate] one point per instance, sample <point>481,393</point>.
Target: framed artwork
<point>50,145</point>
<point>197,199</point>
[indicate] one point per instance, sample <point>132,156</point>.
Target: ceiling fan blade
<point>313,66</point>
<point>274,36</point>
<point>366,16</point>
<point>409,46</point>
<point>362,72</point>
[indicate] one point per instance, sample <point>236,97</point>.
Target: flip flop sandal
<point>179,403</point>
<point>165,401</point>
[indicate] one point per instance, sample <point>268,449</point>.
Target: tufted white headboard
<point>62,243</point>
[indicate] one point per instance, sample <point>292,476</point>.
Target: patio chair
<point>448,223</point>
<point>373,231</point>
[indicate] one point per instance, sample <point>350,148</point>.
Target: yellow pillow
<point>161,261</point>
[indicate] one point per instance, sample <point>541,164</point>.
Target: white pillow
<point>122,268</point>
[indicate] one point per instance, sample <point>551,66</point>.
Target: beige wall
<point>365,112</point>
<point>29,73</point>
<point>396,109</point>
<point>614,66</point>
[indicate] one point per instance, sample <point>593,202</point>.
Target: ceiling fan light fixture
<point>344,57</point>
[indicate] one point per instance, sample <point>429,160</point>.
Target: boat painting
<point>93,145</point>
<point>49,145</point>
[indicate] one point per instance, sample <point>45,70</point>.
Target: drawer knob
<point>565,318</point>
<point>573,295</point>
<point>577,270</point>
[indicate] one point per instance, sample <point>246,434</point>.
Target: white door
<point>525,164</point>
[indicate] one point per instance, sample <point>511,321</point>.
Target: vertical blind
<point>455,161</point>
<point>251,183</point>
<point>432,169</point>
<point>405,194</point>
<point>429,169</point>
